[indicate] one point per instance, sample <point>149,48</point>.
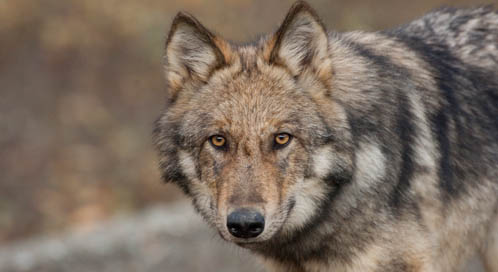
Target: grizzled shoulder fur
<point>460,47</point>
<point>471,34</point>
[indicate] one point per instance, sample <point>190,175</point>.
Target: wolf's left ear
<point>301,42</point>
<point>192,52</point>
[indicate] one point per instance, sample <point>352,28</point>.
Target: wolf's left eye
<point>282,140</point>
<point>218,141</point>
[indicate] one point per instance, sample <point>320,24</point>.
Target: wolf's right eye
<point>282,140</point>
<point>218,141</point>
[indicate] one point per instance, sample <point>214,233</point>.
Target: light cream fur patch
<point>307,193</point>
<point>370,164</point>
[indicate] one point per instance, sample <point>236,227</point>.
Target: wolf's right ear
<point>192,52</point>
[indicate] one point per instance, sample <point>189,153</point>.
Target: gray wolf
<point>326,151</point>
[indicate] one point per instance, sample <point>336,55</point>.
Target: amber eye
<point>218,141</point>
<point>282,139</point>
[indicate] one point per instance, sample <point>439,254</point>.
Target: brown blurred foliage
<point>81,83</point>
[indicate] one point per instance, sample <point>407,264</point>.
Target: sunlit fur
<point>392,163</point>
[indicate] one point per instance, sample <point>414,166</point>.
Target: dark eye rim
<point>280,146</point>
<point>220,147</point>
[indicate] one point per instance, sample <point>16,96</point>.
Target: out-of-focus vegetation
<point>81,83</point>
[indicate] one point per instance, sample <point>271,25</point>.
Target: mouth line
<point>248,242</point>
<point>249,245</point>
<point>239,241</point>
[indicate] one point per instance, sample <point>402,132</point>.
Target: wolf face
<point>245,134</point>
<point>342,151</point>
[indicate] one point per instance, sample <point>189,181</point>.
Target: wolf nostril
<point>245,223</point>
<point>255,228</point>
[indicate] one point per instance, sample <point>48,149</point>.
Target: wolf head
<point>251,132</point>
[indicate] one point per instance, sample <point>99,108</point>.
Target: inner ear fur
<point>192,52</point>
<point>301,42</point>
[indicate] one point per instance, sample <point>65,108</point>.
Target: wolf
<point>327,151</point>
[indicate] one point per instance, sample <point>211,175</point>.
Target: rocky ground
<point>163,238</point>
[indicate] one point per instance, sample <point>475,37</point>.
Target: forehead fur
<point>249,96</point>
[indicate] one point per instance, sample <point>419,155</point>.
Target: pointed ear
<point>301,42</point>
<point>192,52</point>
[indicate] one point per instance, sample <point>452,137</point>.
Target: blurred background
<point>81,84</point>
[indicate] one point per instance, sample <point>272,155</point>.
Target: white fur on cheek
<point>202,195</point>
<point>323,161</point>
<point>187,164</point>
<point>308,194</point>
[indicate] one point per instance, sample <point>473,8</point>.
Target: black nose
<point>245,223</point>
